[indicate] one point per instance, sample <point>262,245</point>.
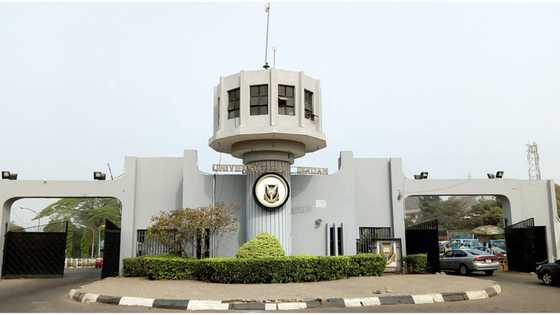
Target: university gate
<point>422,238</point>
<point>34,254</point>
<point>111,250</point>
<point>525,245</point>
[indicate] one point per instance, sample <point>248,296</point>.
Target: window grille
<point>259,100</point>
<point>286,100</point>
<point>233,103</point>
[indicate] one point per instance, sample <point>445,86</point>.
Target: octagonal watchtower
<point>268,118</point>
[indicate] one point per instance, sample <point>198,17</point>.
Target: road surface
<point>520,293</point>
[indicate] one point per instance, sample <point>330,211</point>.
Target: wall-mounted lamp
<point>99,175</point>
<point>499,174</point>
<point>422,175</point>
<point>318,223</point>
<point>9,175</point>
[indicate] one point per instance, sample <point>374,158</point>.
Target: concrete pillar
<point>260,219</point>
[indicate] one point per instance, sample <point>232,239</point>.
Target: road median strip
<point>217,305</point>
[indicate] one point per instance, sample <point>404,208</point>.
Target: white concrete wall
<point>10,191</point>
<point>525,199</point>
<point>363,192</point>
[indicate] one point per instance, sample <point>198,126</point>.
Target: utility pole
<point>533,160</point>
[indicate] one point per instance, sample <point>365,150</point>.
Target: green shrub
<point>368,265</point>
<point>256,270</point>
<point>171,268</point>
<point>416,263</point>
<point>263,245</point>
<point>134,267</point>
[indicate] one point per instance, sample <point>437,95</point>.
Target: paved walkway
<point>347,288</point>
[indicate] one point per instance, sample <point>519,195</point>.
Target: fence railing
<point>79,263</point>
<point>150,246</point>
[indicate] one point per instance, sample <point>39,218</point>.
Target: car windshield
<point>475,252</point>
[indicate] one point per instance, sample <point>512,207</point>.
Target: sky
<point>456,89</point>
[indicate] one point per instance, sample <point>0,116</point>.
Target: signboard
<point>295,170</point>
<point>392,252</point>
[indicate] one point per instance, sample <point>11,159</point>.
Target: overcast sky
<point>456,89</point>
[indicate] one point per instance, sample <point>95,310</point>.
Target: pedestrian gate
<point>111,250</point>
<point>34,254</point>
<point>525,245</point>
<point>422,238</point>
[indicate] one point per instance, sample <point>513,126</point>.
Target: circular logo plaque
<point>271,190</point>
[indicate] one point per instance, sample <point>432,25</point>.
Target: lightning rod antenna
<point>110,172</point>
<point>267,10</point>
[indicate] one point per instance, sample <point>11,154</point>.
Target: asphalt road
<point>51,295</point>
<point>520,293</point>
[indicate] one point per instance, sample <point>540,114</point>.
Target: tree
<point>487,212</point>
<point>12,227</point>
<point>189,226</point>
<point>455,213</point>
<point>86,217</point>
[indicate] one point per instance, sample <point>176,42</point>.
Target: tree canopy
<point>457,213</point>
<point>86,217</point>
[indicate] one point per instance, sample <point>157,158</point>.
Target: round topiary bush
<point>263,245</point>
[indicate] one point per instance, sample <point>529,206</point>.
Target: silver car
<point>467,260</point>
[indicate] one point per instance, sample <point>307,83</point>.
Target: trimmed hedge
<point>256,270</point>
<point>263,245</point>
<point>416,263</point>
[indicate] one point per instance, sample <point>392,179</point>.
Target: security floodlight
<point>99,176</point>
<point>9,175</point>
<point>422,175</point>
<point>499,174</point>
<point>490,176</point>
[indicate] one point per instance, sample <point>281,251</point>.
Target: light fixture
<point>9,175</point>
<point>99,175</point>
<point>318,223</point>
<point>499,174</point>
<point>422,175</point>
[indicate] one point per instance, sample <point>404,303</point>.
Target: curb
<point>216,305</point>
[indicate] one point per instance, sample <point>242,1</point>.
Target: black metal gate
<point>525,245</point>
<point>422,238</point>
<point>111,250</point>
<point>34,254</point>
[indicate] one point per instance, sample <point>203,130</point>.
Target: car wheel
<point>463,270</point>
<point>547,278</point>
<point>489,272</point>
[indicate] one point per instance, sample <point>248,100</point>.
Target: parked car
<point>98,262</point>
<point>466,261</point>
<point>549,273</point>
<point>499,252</point>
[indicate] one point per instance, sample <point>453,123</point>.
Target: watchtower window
<point>233,103</point>
<point>259,100</point>
<point>308,99</point>
<point>286,100</point>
